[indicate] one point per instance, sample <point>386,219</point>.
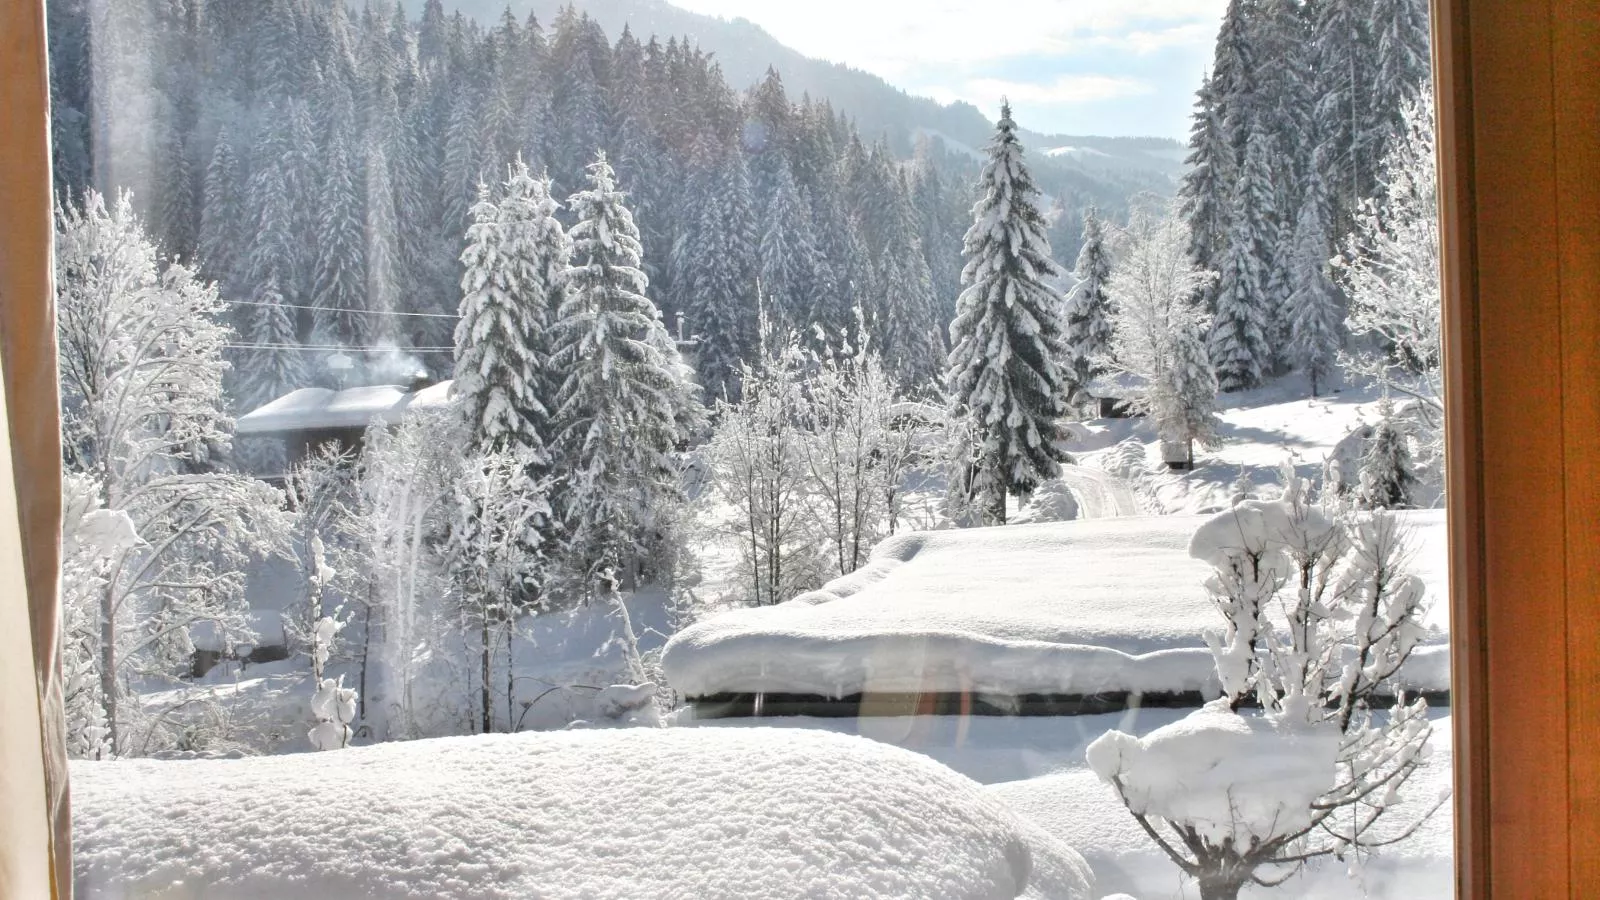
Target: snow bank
<point>668,813</point>
<point>1078,607</point>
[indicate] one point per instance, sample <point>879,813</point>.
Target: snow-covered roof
<point>1079,607</point>
<point>315,409</point>
<point>679,812</point>
<point>1121,386</point>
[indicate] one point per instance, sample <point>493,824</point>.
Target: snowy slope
<point>1260,429</point>
<point>674,813</point>
<point>1074,607</point>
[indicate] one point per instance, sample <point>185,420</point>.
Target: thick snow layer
<point>1074,805</point>
<point>1231,777</point>
<point>1071,607</point>
<point>309,409</point>
<point>661,813</point>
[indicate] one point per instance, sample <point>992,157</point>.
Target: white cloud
<point>1060,91</point>
<point>1063,55</point>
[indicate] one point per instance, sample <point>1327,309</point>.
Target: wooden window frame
<point>1518,83</point>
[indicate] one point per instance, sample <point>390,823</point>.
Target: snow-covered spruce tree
<point>1240,330</point>
<point>382,251</point>
<point>142,415</point>
<point>621,410</point>
<point>516,251</point>
<point>221,214</point>
<point>1157,328</point>
<point>1314,327</point>
<point>1088,307</point>
<point>1005,373</point>
<point>1351,616</point>
<point>1388,477</point>
<point>1204,196</point>
<point>789,259</point>
<point>911,347</point>
<point>339,287</point>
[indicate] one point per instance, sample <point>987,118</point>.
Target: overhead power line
<point>369,312</point>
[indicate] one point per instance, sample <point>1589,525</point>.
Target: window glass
<point>752,450</point>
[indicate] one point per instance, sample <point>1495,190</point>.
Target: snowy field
<point>674,813</point>
<point>1075,607</point>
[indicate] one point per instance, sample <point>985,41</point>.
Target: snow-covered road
<point>1100,494</point>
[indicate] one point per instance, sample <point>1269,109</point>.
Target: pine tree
<point>622,404</point>
<point>220,214</point>
<point>1088,306</point>
<point>1387,476</point>
<point>1204,194</point>
<point>789,261</point>
<point>270,366</point>
<point>1403,68</point>
<point>1005,373</point>
<point>718,259</point>
<point>339,292</point>
<point>1239,338</point>
<point>909,338</point>
<point>1314,304</point>
<point>382,229</point>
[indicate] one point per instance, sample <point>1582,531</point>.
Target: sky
<point>1100,67</point>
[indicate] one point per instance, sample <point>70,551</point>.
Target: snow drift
<point>1079,607</point>
<point>666,813</point>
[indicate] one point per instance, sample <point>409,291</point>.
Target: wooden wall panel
<point>1519,84</point>
<point>1575,46</point>
<point>1523,513</point>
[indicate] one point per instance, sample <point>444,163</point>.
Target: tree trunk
<point>488,710</point>
<point>1219,887</point>
<point>108,666</point>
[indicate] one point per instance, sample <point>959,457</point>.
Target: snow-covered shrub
<point>1053,501</point>
<point>1127,460</point>
<point>1388,477</point>
<point>333,705</point>
<point>1319,615</point>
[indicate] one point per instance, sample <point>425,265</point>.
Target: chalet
<point>308,418</point>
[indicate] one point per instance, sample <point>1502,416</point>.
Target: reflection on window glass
<point>628,450</point>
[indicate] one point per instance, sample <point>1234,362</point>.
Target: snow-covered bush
<point>1319,615</point>
<point>1388,476</point>
<point>1053,501</point>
